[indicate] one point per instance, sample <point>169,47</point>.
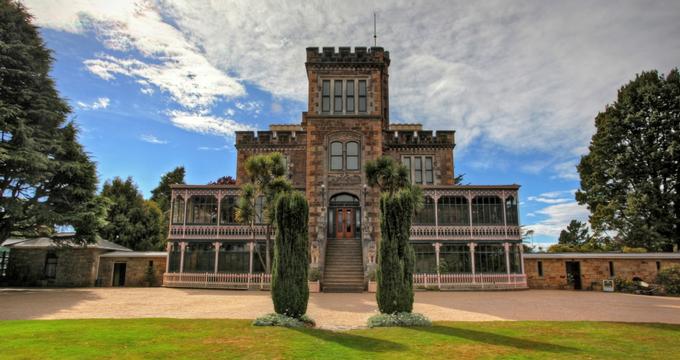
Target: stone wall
<point>593,271</point>
<point>75,267</point>
<point>135,270</point>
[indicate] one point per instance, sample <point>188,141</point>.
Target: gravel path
<point>334,311</point>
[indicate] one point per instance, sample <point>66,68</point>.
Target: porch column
<point>472,246</point>
<point>521,256</point>
<point>184,217</point>
<point>470,213</point>
<point>437,245</point>
<point>219,210</point>
<point>436,220</point>
<point>168,249</point>
<point>506,246</point>
<point>251,247</point>
<point>182,246</point>
<point>505,218</point>
<point>217,253</point>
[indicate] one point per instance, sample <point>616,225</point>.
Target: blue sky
<point>157,84</point>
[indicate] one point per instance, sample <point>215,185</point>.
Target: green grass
<point>183,339</point>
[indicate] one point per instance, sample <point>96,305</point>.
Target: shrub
<point>669,278</point>
<point>314,274</point>
<point>396,258</point>
<point>274,319</point>
<point>398,319</point>
<point>624,285</point>
<point>638,250</point>
<point>290,291</point>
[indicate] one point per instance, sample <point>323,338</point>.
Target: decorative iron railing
<point>235,232</point>
<point>217,280</point>
<point>432,232</point>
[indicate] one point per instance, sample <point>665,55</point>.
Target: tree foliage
<point>46,178</point>
<point>630,177</point>
<point>224,180</point>
<point>131,221</point>
<point>162,196</point>
<point>396,258</point>
<point>575,234</point>
<point>386,174</point>
<point>290,291</point>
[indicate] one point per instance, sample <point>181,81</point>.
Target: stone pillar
<point>182,246</point>
<point>217,244</point>
<point>168,248</point>
<point>472,247</point>
<point>506,247</point>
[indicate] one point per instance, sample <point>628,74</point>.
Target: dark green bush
<point>396,258</point>
<point>290,291</point>
<point>669,278</point>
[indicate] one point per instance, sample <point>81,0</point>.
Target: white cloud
<point>554,197</point>
<point>100,103</point>
<point>205,123</point>
<point>211,148</point>
<point>558,217</point>
<point>526,76</point>
<point>567,170</point>
<point>152,139</point>
<point>249,106</point>
<point>229,112</point>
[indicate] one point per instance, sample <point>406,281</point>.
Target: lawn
<point>174,338</point>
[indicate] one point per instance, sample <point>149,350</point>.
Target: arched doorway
<point>344,217</point>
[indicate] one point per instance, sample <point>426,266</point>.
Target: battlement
<point>271,138</point>
<point>344,55</point>
<point>423,138</point>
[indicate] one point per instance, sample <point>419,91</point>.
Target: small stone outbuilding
<point>131,268</point>
<point>585,271</point>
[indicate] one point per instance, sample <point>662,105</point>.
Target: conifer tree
<point>46,178</point>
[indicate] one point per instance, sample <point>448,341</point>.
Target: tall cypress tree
<point>290,291</point>
<point>46,178</point>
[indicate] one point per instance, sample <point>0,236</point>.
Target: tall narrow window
<point>352,155</point>
<point>362,95</point>
<point>658,265</point>
<point>611,269</point>
<point>178,210</point>
<point>429,176</point>
<point>418,170</point>
<point>336,155</point>
<point>539,264</point>
<point>337,95</point>
<point>326,96</point>
<point>51,266</point>
<point>511,211</point>
<point>350,96</point>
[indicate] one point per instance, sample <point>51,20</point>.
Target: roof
<point>651,255</point>
<point>134,254</point>
<point>46,242</point>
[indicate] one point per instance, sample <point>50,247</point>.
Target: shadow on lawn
<point>496,339</point>
<point>354,341</point>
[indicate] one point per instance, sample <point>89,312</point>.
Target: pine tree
<point>630,179</point>
<point>46,178</point>
<point>290,291</point>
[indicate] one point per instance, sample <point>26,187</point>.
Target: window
<point>362,95</point>
<point>426,215</point>
<point>490,259</point>
<point>228,210</point>
<point>511,211</point>
<point>611,269</point>
<point>453,210</point>
<point>259,210</point>
<point>422,171</point>
<point>658,265</point>
<point>336,155</point>
<point>326,96</point>
<point>202,210</point>
<point>51,266</point>
<point>199,257</point>
<point>174,258</point>
<point>350,96</point>
<point>352,155</point>
<point>178,210</point>
<point>539,265</point>
<point>426,258</point>
<point>487,210</point>
<point>337,92</point>
<point>454,258</point>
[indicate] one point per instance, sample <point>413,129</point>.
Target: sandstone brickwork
<point>75,267</point>
<point>135,270</point>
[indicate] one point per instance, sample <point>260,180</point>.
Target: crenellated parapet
<point>345,55</point>
<point>422,138</point>
<point>268,139</point>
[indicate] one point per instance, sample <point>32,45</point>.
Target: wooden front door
<point>344,223</point>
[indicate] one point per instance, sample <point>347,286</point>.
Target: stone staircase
<point>344,269</point>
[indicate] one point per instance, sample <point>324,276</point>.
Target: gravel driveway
<point>335,311</point>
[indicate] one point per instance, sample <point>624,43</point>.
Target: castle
<point>466,236</point>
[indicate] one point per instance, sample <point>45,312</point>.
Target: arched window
<point>228,210</point>
<point>487,210</point>
<point>511,211</point>
<point>453,210</point>
<point>178,210</point>
<point>352,155</point>
<point>336,155</point>
<point>426,215</point>
<point>202,209</point>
